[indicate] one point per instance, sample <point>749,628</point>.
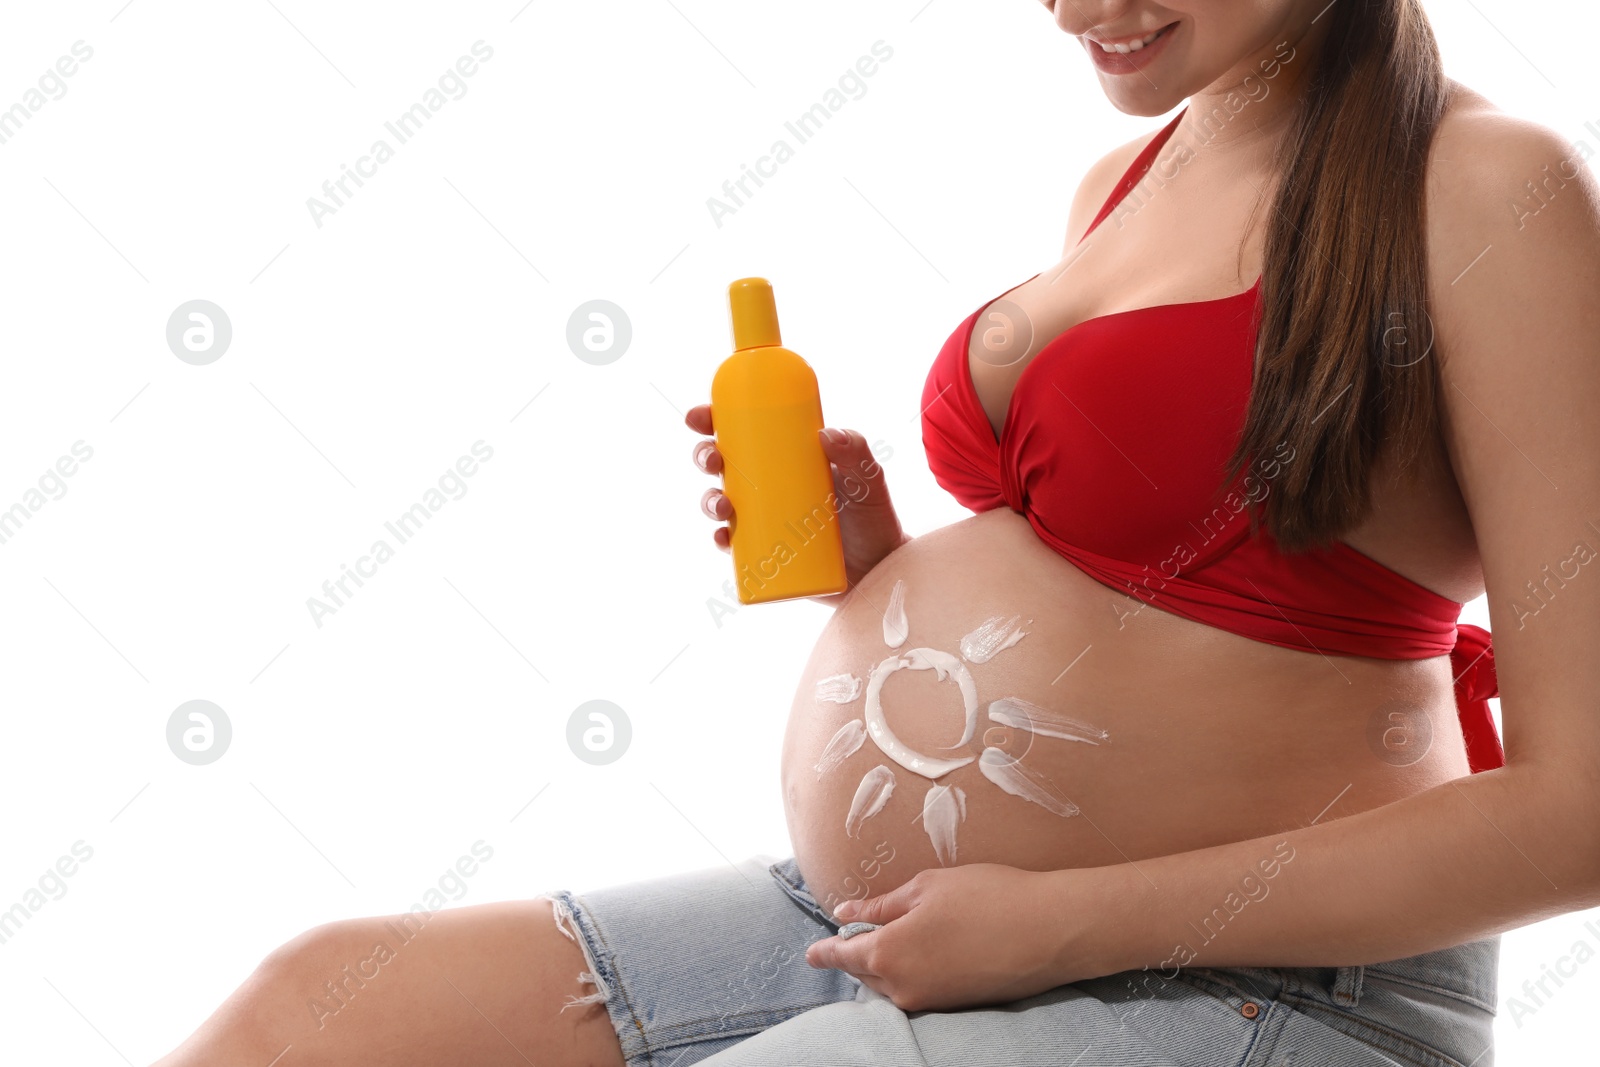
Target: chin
<point>1142,105</point>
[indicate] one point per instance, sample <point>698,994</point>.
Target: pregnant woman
<point>1174,752</point>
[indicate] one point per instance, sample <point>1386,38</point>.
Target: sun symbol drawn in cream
<point>944,807</point>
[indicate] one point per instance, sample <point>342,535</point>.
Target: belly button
<point>996,736</point>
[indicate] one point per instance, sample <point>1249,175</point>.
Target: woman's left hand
<point>956,937</point>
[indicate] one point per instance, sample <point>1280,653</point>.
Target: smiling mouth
<point>1134,45</point>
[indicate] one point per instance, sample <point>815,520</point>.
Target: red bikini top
<point>1114,446</point>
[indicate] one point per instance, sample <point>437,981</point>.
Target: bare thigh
<point>483,984</point>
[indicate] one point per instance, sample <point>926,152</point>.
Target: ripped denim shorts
<point>708,966</point>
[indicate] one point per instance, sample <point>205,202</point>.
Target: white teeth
<point>1131,46</point>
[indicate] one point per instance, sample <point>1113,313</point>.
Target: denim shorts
<point>708,967</point>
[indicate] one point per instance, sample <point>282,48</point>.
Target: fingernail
<point>838,437</point>
<point>845,910</point>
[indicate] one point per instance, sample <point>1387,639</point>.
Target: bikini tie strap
<point>1472,666</point>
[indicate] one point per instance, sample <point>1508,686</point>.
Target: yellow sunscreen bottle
<point>766,411</point>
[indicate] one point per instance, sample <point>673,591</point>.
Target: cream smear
<point>895,627</point>
<point>995,635</point>
<point>943,809</point>
<point>871,795</point>
<point>1023,715</point>
<point>839,688</point>
<point>1010,775</point>
<point>842,745</point>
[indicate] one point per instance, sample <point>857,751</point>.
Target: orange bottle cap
<point>755,314</point>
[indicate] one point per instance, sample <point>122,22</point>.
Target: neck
<point>1249,108</point>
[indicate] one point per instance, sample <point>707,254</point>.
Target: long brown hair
<point>1340,370</point>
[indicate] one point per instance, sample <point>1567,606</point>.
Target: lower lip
<point>1127,63</point>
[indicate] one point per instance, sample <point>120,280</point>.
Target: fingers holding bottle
<point>706,456</point>
<point>716,506</point>
<point>708,459</point>
<point>857,475</point>
<point>698,419</point>
<point>869,526</point>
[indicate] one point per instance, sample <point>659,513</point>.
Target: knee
<point>291,967</point>
<point>314,975</point>
<point>322,954</point>
<point>292,996</point>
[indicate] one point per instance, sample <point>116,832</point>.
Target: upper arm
<point>1514,277</point>
<point>1096,187</point>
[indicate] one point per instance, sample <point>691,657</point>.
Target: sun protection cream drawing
<point>945,666</point>
<point>1009,774</point>
<point>995,635</point>
<point>766,411</point>
<point>944,806</point>
<point>871,795</point>
<point>844,743</point>
<point>897,750</point>
<point>839,688</point>
<point>943,809</point>
<point>1022,715</point>
<point>895,627</point>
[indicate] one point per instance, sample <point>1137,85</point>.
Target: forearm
<point>1458,862</point>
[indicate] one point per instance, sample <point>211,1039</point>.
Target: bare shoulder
<point>1504,187</point>
<point>1097,184</point>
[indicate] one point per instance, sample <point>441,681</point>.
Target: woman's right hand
<point>868,525</point>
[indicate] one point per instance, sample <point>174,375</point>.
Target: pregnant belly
<point>978,699</point>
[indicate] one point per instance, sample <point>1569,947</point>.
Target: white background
<point>369,353</point>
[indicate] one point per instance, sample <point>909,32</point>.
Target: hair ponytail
<point>1341,364</point>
